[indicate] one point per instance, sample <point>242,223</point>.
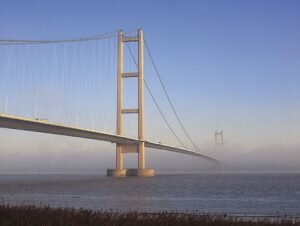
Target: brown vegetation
<point>33,216</point>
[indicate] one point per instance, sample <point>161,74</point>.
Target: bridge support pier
<point>116,172</point>
<point>130,172</point>
<point>140,172</point>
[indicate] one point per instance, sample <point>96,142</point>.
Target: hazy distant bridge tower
<point>130,148</point>
<point>219,139</point>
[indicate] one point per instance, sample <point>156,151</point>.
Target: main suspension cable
<point>82,39</point>
<point>169,99</point>
<point>156,103</point>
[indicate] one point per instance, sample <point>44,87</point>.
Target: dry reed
<point>46,216</point>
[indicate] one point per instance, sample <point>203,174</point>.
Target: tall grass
<point>46,216</point>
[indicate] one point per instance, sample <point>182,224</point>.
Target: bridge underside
<point>26,124</point>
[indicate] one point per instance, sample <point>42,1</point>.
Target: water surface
<point>238,194</point>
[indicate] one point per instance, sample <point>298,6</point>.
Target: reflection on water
<point>249,194</point>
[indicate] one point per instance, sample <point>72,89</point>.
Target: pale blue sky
<point>231,65</point>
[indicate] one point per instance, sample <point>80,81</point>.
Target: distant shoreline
<point>33,215</point>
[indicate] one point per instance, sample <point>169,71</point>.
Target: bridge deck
<point>21,123</point>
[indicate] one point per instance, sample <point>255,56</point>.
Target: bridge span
<point>42,126</point>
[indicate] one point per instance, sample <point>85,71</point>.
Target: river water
<point>236,194</point>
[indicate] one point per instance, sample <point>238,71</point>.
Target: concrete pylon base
<point>130,172</point>
<point>140,172</point>
<point>116,172</point>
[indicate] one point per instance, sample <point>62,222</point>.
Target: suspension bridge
<point>77,88</point>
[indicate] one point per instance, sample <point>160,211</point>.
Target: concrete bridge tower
<point>130,148</point>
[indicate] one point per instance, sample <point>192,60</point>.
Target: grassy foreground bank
<point>31,216</point>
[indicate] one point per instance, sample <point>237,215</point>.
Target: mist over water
<point>24,152</point>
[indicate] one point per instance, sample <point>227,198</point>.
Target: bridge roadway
<point>42,126</point>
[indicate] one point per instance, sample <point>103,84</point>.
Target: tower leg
<point>119,170</point>
<point>141,154</point>
<point>119,157</point>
